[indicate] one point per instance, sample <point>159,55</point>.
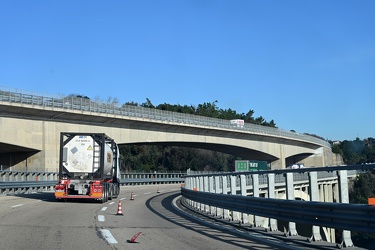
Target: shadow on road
<point>168,212</point>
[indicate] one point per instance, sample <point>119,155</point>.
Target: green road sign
<point>250,165</point>
<point>241,166</point>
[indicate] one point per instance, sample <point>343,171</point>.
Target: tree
<point>363,189</point>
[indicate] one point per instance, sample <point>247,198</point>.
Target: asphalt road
<point>38,221</point>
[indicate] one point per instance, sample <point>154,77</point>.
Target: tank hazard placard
<point>80,151</point>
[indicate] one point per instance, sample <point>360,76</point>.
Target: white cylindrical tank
<point>82,155</point>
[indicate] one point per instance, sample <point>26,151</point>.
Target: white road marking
<point>101,218</point>
<point>17,205</point>
<point>148,193</point>
<point>111,203</point>
<point>122,199</point>
<point>104,208</point>
<point>108,236</point>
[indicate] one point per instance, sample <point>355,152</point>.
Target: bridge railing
<point>85,104</point>
<point>233,197</point>
<point>16,182</point>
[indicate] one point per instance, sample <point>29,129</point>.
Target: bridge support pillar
<point>292,231</point>
<point>272,226</point>
<point>314,196</point>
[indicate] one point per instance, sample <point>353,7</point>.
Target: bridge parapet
<point>239,197</point>
<point>82,104</point>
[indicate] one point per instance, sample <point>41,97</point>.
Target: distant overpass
<point>31,125</point>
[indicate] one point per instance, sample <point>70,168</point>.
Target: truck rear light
<point>59,187</point>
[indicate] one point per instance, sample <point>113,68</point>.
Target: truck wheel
<point>117,189</point>
<point>110,191</point>
<point>105,194</point>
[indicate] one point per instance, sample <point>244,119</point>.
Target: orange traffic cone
<point>132,197</point>
<point>119,209</point>
<point>158,191</point>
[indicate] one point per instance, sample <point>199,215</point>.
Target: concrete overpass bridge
<point>31,125</point>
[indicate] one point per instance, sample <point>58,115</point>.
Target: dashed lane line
<point>108,236</point>
<point>18,205</point>
<point>101,218</point>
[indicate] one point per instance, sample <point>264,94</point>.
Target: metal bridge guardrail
<point>15,182</point>
<point>18,187</point>
<point>8,175</point>
<point>84,104</point>
<point>150,181</point>
<point>352,217</point>
<point>237,197</point>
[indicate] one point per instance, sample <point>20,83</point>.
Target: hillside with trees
<point>357,151</point>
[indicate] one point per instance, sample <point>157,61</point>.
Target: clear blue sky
<point>308,65</point>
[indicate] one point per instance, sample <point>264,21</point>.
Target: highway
<point>38,221</point>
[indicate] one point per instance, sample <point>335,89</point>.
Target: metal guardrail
<point>151,178</point>
<point>352,217</point>
<point>151,181</point>
<point>16,182</point>
<point>8,175</point>
<point>84,104</point>
<point>220,193</point>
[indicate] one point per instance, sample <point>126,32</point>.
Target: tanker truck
<point>88,167</point>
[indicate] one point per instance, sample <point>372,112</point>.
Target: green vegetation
<point>363,188</point>
<point>357,151</point>
<point>208,109</point>
<point>150,158</point>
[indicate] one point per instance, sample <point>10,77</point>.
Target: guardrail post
<point>292,231</point>
<point>195,188</point>
<point>189,185</point>
<point>211,190</point>
<point>271,194</point>
<point>205,189</point>
<point>218,191</point>
<point>244,217</point>
<point>257,219</point>
<point>344,198</point>
<point>314,196</point>
<point>225,191</point>
<point>201,207</point>
<point>233,191</point>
